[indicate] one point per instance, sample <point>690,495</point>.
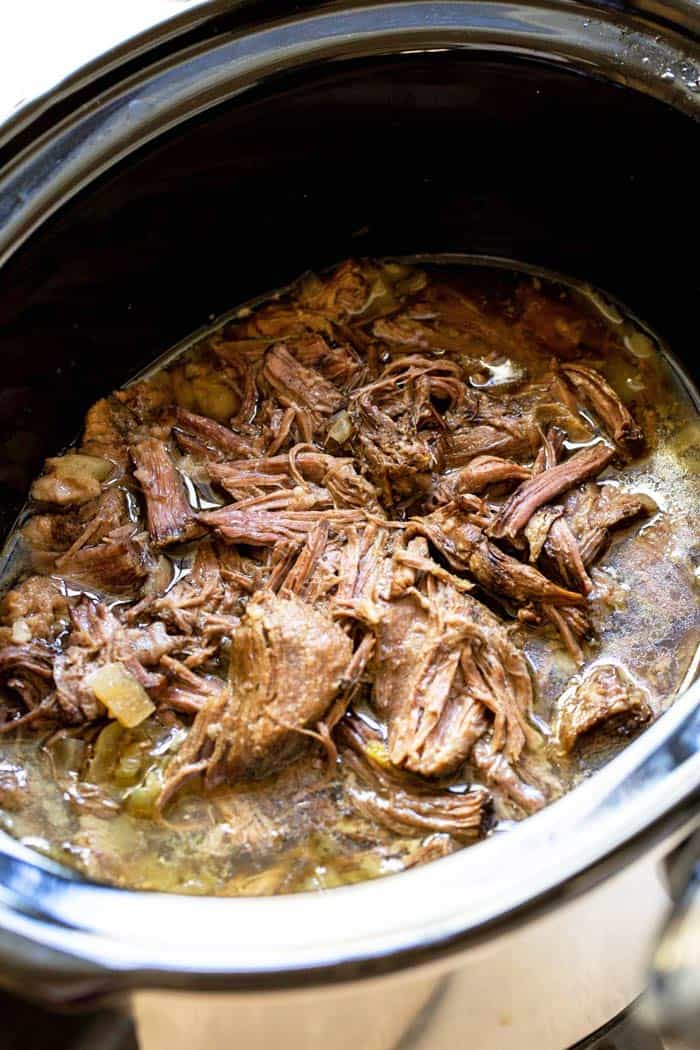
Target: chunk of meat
<point>118,565</point>
<point>606,694</point>
<point>520,784</point>
<point>169,515</point>
<point>343,295</point>
<point>466,548</point>
<point>550,450</point>
<point>600,397</point>
<point>287,663</point>
<point>498,427</point>
<point>593,511</point>
<point>300,387</point>
<point>34,609</point>
<point>339,364</point>
<point>98,638</point>
<point>25,670</point>
<point>399,803</point>
<point>396,457</point>
<point>265,528</point>
<point>478,475</point>
<point>546,486</point>
<point>199,435</point>
<point>106,426</point>
<point>205,604</point>
<point>562,549</point>
<point>441,659</point>
<point>503,576</point>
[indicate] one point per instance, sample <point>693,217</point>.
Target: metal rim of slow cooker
<point>57,922</point>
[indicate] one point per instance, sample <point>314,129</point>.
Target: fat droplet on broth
<point>501,373</point>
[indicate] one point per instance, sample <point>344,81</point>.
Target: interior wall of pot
<point>417,153</point>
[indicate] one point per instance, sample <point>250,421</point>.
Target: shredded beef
<point>169,515</point>
<point>345,517</point>
<point>606,694</point>
<point>404,805</point>
<point>600,397</point>
<point>546,486</point>
<point>287,663</point>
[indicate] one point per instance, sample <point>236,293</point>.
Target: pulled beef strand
<point>546,486</point>
<point>401,804</point>
<point>600,397</point>
<point>169,514</point>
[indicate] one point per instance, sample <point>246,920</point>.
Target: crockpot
<point>219,155</point>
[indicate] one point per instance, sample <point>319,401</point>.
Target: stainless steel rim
<point>162,939</point>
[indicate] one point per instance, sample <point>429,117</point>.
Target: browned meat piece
<point>336,478</point>
<point>35,609</point>
<point>465,443</point>
<point>504,576</point>
<point>208,439</point>
<point>441,659</point>
<point>506,778</point>
<point>148,403</point>
<point>300,387</point>
<point>557,325</point>
<point>49,535</point>
<point>407,332</point>
<point>264,528</point>
<point>546,486</point>
<point>499,427</point>
<point>600,397</point>
<point>481,472</point>
<point>537,529</point>
<point>169,515</point>
<point>25,670</point>
<point>561,547</point>
<point>342,295</point>
<point>550,451</point>
<point>615,506</point>
<point>98,638</point>
<point>268,471</point>
<point>593,511</point>
<point>402,804</point>
<point>205,604</point>
<point>605,694</point>
<point>118,565</point>
<point>52,538</point>
<point>105,432</point>
<point>287,663</point>
<point>349,489</point>
<point>269,323</point>
<point>340,365</point>
<point>397,458</point>
<point>465,547</point>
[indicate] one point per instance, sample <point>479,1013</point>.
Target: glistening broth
<point>376,566</point>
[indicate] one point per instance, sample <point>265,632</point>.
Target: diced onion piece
<point>639,344</point>
<point>78,465</point>
<point>21,632</point>
<point>124,697</point>
<point>377,752</point>
<point>340,428</point>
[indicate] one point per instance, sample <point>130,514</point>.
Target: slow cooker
<point>216,155</point>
